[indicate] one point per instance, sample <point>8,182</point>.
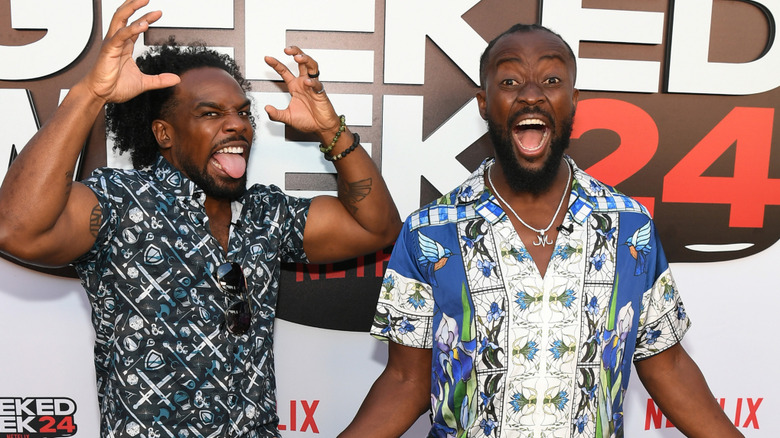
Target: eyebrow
<point>209,104</point>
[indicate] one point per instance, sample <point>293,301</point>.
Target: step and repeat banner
<point>677,108</point>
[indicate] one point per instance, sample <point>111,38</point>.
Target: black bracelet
<point>355,143</point>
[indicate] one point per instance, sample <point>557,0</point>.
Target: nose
<point>530,93</point>
<point>236,122</point>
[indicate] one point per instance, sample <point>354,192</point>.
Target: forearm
<point>389,409</point>
<point>681,391</point>
<point>362,190</point>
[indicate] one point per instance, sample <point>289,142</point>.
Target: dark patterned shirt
<point>166,366</point>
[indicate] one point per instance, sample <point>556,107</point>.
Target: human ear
<point>482,103</point>
<point>162,133</point>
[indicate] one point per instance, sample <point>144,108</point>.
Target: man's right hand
<point>45,217</point>
<point>115,76</point>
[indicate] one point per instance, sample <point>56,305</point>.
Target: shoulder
<point>602,198</point>
<point>462,203</point>
<point>110,179</point>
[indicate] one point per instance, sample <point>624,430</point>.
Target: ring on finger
<point>314,75</point>
<point>321,90</point>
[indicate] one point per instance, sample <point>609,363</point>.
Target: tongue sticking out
<point>233,164</point>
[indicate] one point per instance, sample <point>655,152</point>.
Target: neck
<point>549,194</point>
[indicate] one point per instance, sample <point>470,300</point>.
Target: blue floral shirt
<point>166,366</point>
<point>515,354</point>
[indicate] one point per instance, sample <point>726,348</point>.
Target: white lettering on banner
<point>197,14</point>
<point>575,23</point>
<point>267,23</point>
<point>273,156</point>
<point>689,69</point>
<point>406,157</point>
<point>205,14</point>
<point>18,123</point>
<point>68,27</point>
<point>408,22</point>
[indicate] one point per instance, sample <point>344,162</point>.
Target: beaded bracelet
<point>344,153</point>
<point>342,126</point>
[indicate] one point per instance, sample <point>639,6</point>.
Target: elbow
<point>392,230</point>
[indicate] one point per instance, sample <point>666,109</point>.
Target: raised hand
<point>115,76</point>
<point>309,110</point>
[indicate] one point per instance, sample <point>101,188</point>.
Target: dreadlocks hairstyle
<point>130,123</point>
<point>518,28</point>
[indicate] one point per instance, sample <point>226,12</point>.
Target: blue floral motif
<point>566,298</point>
<point>559,400</point>
<point>466,194</point>
<point>486,398</point>
<point>485,344</point>
<point>598,261</point>
<point>486,267</point>
<point>593,306</point>
<point>487,426</point>
<point>405,326</point>
<point>471,242</point>
<point>559,348</point>
<point>495,312</point>
<point>581,421</point>
<point>651,335</point>
<point>524,300</point>
<point>518,401</point>
<point>607,235</point>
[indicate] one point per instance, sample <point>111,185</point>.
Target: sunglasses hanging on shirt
<point>238,315</point>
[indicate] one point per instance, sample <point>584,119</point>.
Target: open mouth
<point>531,135</point>
<point>230,160</point>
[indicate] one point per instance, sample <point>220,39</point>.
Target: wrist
<point>326,148</point>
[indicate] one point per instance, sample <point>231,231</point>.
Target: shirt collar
<point>174,181</point>
<point>584,189</point>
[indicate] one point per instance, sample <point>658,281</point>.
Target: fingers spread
<point>123,13</point>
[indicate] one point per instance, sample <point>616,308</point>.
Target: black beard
<point>518,177</point>
<point>211,187</point>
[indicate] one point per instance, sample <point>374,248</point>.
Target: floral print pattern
<point>521,355</point>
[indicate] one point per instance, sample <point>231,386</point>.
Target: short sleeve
<point>297,211</point>
<point>99,183</point>
<point>663,321</point>
<point>404,311</point>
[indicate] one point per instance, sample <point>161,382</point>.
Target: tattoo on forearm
<point>353,192</point>
<point>94,220</point>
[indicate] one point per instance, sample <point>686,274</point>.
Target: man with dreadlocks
<point>180,260</point>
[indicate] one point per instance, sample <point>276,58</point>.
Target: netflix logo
<point>307,409</point>
<point>742,411</point>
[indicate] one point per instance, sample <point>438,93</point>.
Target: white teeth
<point>231,150</point>
<point>531,122</point>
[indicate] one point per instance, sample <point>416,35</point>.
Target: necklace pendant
<point>543,240</point>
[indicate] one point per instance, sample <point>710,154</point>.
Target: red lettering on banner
<point>750,190</point>
<point>330,273</point>
<point>638,139</point>
<point>753,416</point>
<point>308,412</point>
<point>381,259</point>
<point>653,414</point>
<point>654,417</point>
<point>738,412</point>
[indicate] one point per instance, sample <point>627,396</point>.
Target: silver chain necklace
<point>542,239</point>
